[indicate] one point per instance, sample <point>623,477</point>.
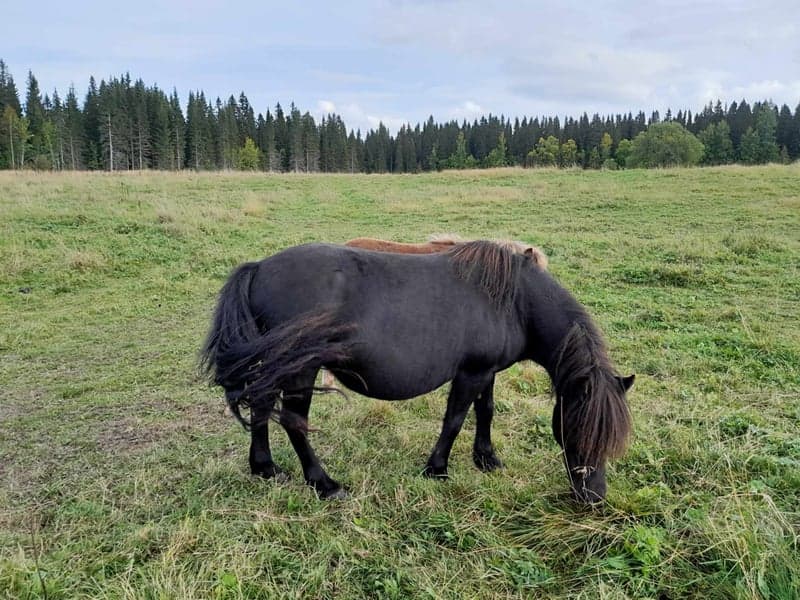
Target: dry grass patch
<point>85,261</point>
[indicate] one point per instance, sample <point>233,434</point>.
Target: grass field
<point>120,477</point>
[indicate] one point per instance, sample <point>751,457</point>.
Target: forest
<point>122,124</point>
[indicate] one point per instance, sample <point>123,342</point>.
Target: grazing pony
<point>393,326</point>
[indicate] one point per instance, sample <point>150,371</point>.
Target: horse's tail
<point>254,366</point>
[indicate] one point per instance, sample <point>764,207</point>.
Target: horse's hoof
<point>334,494</point>
<point>587,499</point>
<point>270,471</point>
<point>435,472</point>
<point>487,462</point>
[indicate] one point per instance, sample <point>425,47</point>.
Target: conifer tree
<point>310,143</point>
<point>498,156</point>
<point>34,112</point>
<point>73,132</point>
<point>91,127</point>
<point>785,134</point>
<point>177,139</point>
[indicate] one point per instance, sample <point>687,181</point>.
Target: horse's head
<point>591,420</point>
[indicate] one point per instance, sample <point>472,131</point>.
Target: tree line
<point>122,124</point>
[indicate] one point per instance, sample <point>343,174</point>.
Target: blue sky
<point>401,61</point>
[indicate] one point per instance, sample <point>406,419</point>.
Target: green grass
<point>121,477</point>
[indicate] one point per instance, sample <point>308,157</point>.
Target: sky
<point>401,61</point>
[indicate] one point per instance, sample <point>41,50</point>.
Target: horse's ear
<point>627,382</point>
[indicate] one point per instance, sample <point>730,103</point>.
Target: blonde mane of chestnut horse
<point>441,242</point>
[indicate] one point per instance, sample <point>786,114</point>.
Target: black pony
<point>392,327</point>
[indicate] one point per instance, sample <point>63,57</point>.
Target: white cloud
<point>466,110</point>
<point>326,106</point>
<point>356,117</point>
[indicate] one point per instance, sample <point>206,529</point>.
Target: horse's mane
<point>447,239</point>
<point>515,246</point>
<point>595,418</point>
<point>488,265</point>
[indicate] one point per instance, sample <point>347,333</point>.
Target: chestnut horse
<point>442,243</point>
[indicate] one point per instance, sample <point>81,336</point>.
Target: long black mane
<point>596,418</point>
<point>490,266</point>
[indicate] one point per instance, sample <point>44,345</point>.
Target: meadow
<point>120,476</point>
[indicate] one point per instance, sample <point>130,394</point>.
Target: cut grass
<point>122,478</point>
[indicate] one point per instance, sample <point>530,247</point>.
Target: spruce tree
<point>9,113</point>
<point>785,134</point>
<point>91,128</point>
<point>177,134</point>
<point>8,90</point>
<point>34,113</point>
<point>498,156</point>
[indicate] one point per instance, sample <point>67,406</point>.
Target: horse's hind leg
<point>482,451</point>
<point>294,417</point>
<point>463,391</point>
<point>260,455</point>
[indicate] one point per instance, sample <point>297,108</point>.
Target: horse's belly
<point>395,379</point>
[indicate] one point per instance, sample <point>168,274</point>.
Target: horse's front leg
<point>463,392</point>
<point>482,451</point>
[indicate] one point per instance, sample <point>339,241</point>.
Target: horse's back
<point>412,314</point>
